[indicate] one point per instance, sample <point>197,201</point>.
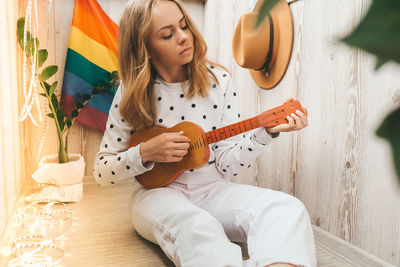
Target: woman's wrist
<point>273,135</point>
<point>143,155</point>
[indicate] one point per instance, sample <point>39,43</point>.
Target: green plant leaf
<point>28,39</point>
<point>30,46</point>
<point>43,94</point>
<point>46,87</point>
<point>69,122</point>
<point>380,62</point>
<point>74,114</point>
<point>42,55</point>
<point>97,90</point>
<point>265,8</point>
<point>390,130</point>
<point>53,87</point>
<point>379,31</point>
<point>20,30</point>
<point>86,97</point>
<point>48,72</point>
<point>54,101</point>
<point>50,115</point>
<point>78,104</point>
<point>60,118</point>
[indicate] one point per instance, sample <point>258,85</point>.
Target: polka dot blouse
<point>115,163</point>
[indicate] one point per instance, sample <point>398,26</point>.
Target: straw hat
<point>265,50</point>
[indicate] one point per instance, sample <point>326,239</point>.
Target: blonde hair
<point>138,74</point>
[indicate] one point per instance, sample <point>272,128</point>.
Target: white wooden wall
<point>336,166</point>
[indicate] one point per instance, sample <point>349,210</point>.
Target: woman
<point>167,79</point>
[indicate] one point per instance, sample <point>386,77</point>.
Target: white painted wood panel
<point>336,166</point>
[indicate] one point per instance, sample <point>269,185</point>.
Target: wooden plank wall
<point>336,166</point>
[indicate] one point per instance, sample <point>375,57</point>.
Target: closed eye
<point>170,36</point>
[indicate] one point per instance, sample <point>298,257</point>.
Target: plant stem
<point>62,155</point>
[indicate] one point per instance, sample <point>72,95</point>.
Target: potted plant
<point>64,168</point>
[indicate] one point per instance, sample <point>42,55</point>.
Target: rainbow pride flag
<point>92,55</point>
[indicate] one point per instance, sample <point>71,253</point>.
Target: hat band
<point>271,46</point>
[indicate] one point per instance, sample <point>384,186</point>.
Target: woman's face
<point>171,41</point>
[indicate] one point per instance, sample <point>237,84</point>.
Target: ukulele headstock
<point>276,116</point>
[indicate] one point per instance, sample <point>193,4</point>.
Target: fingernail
<point>297,111</point>
<point>292,114</point>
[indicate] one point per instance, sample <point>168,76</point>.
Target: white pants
<point>194,225</point>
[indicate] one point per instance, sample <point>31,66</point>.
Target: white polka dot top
<point>116,163</point>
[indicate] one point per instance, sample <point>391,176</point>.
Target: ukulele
<point>164,173</point>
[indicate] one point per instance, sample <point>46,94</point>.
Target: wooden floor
<point>102,234</point>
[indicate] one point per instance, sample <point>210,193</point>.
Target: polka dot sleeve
<point>239,152</point>
<point>114,162</point>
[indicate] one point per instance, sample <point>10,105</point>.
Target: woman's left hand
<point>295,122</point>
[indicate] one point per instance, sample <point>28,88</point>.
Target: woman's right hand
<point>166,147</point>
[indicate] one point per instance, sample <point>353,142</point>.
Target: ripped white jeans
<point>194,225</point>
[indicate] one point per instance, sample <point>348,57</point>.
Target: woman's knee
<point>297,207</point>
<point>283,206</point>
<point>201,223</point>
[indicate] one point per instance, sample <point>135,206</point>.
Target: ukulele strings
<point>199,143</point>
<point>230,130</point>
<point>207,138</point>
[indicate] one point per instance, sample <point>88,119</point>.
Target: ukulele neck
<point>269,118</point>
<point>231,130</point>
<point>227,132</point>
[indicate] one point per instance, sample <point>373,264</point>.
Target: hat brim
<point>282,47</point>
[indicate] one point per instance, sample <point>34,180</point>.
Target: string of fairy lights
<point>45,107</point>
<point>39,228</point>
<point>30,89</point>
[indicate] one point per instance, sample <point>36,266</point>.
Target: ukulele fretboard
<point>225,132</point>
